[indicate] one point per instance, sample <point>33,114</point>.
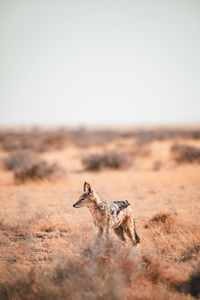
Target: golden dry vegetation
<point>47,248</point>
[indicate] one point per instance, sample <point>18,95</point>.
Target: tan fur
<point>105,216</point>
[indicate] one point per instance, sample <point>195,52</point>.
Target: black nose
<point>73,205</point>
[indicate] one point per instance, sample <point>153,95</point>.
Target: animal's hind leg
<point>130,229</point>
<point>120,233</point>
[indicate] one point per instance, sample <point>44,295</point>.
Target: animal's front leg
<point>107,228</point>
<point>99,234</point>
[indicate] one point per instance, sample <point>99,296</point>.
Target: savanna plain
<point>47,247</point>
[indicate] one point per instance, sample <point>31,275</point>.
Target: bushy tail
<point>137,238</point>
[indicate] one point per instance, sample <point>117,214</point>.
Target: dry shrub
<point>108,159</point>
<point>19,159</point>
<point>192,284</point>
<point>162,220</point>
<point>28,166</point>
<point>184,153</point>
<point>38,170</point>
<point>157,165</point>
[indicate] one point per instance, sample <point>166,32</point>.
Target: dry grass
<point>57,267</point>
<point>47,248</point>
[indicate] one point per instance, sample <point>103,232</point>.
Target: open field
<point>47,248</point>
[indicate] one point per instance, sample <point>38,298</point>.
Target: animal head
<point>87,198</point>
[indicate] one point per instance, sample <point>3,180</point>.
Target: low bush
<point>27,166</point>
<point>163,221</point>
<point>184,153</point>
<point>108,159</point>
<point>38,170</point>
<point>19,160</point>
<point>192,284</point>
<point>157,165</point>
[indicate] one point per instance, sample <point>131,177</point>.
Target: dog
<point>107,215</point>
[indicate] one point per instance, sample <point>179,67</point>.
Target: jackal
<point>116,215</point>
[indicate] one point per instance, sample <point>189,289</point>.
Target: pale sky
<point>99,62</point>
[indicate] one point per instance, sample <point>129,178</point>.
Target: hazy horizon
<point>99,63</point>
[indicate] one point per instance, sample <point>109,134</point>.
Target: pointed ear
<point>87,188</point>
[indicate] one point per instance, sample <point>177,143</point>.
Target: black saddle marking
<point>121,205</point>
